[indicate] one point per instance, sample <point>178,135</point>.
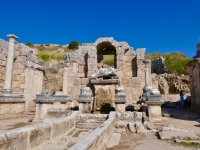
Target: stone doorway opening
<point>106,55</point>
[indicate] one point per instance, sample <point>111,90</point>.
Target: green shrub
<point>175,62</point>
<point>29,44</point>
<point>73,45</point>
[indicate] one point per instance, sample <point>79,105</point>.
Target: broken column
<point>84,100</point>
<point>152,97</point>
<point>7,90</point>
<point>120,99</point>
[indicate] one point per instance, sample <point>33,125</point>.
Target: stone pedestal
<point>154,103</point>
<point>120,99</point>
<point>84,100</point>
<point>46,103</point>
<point>12,104</point>
<point>7,90</point>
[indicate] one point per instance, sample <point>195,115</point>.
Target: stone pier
<point>120,99</point>
<point>84,100</point>
<point>7,90</point>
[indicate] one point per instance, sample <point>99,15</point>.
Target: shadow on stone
<point>106,108</point>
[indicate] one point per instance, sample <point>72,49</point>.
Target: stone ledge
<point>84,99</point>
<point>12,99</point>
<point>105,81</point>
<point>52,98</point>
<point>154,102</point>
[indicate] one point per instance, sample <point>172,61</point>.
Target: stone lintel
<point>12,99</point>
<point>105,81</point>
<point>154,102</point>
<point>52,98</point>
<point>154,98</point>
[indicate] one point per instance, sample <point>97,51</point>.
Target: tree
<point>73,45</point>
<point>29,44</point>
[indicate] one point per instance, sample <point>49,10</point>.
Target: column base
<point>6,92</point>
<point>119,107</point>
<point>85,107</point>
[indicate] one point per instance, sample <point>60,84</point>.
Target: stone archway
<point>105,48</point>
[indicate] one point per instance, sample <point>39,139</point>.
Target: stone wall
<point>88,59</point>
<point>171,83</point>
<point>31,136</point>
<point>27,71</point>
<point>194,73</point>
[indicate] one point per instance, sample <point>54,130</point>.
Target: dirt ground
<point>182,118</point>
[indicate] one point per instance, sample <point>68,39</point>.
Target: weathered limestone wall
<point>27,73</point>
<point>31,136</point>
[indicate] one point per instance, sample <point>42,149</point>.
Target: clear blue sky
<point>159,25</point>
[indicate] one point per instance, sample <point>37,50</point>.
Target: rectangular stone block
<point>3,63</point>
<point>128,58</point>
<point>15,140</point>
<point>15,83</point>
<point>84,81</point>
<point>2,56</point>
<point>39,134</point>
<point>81,74</point>
<point>91,67</point>
<point>120,57</point>
<point>92,60</point>
<point>77,81</point>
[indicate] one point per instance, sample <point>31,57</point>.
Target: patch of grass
<point>47,54</point>
<point>175,62</point>
<point>185,144</point>
<point>108,60</point>
<point>192,144</point>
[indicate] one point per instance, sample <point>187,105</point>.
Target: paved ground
<point>8,122</point>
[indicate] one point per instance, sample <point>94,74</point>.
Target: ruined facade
<point>85,62</point>
<point>26,75</point>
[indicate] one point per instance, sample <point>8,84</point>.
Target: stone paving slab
<point>115,138</point>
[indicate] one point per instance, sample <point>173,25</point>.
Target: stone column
<point>148,73</point>
<point>7,90</point>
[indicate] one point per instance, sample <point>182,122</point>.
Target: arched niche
<point>104,49</point>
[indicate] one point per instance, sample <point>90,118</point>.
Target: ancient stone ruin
<point>21,76</point>
<point>88,85</point>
